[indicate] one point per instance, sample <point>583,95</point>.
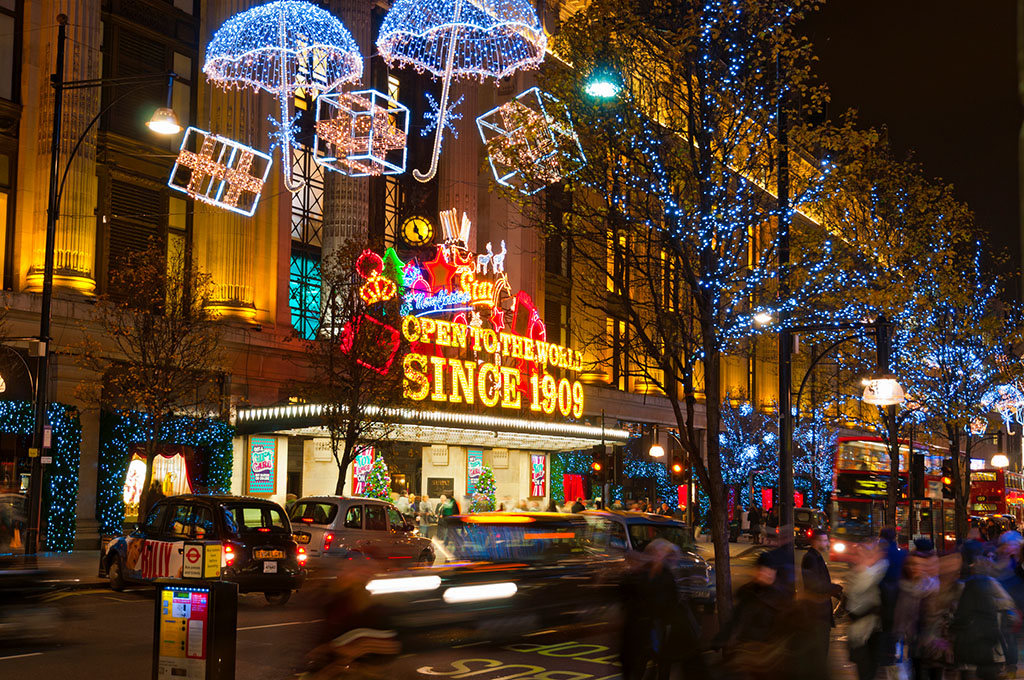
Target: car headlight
<point>409,584</point>
<point>486,591</point>
<point>839,547</point>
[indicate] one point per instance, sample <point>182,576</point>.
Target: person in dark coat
<point>782,557</point>
<point>817,604</point>
<point>978,624</point>
<point>754,518</point>
<point>578,506</point>
<point>754,641</point>
<point>890,590</point>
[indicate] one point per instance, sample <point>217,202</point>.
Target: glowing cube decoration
<point>531,141</point>
<point>222,172</point>
<point>361,133</point>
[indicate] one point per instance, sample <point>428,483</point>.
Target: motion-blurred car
<point>513,573</point>
<point>356,527</point>
<point>257,550</point>
<point>626,531</point>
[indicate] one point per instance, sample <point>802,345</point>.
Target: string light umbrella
<point>460,38</point>
<point>281,47</point>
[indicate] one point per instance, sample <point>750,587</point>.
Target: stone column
<point>75,243</point>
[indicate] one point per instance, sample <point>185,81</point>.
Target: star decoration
<point>441,273</point>
<point>498,319</point>
<point>450,116</point>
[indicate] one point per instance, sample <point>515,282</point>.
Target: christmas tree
<point>378,484</point>
<point>484,497</point>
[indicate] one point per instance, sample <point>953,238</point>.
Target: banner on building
<point>262,465</point>
<point>474,466</point>
<point>361,470</point>
<point>538,475</point>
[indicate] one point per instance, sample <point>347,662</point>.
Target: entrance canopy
<point>438,427</point>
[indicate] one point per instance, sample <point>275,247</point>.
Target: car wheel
<point>277,597</point>
<point>426,559</point>
<point>115,572</point>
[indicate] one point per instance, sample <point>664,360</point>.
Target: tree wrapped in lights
<point>378,481</point>
<point>671,216</point>
<point>748,443</point>
<point>355,354</point>
<point>484,494</point>
<point>814,460</point>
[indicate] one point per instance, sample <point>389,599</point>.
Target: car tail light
<point>328,539</point>
<point>302,556</point>
<point>263,530</point>
<point>229,554</point>
<point>810,532</point>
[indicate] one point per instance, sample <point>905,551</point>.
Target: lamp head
<point>1000,461</point>
<point>763,317</point>
<point>603,83</point>
<point>164,122</point>
<point>657,451</point>
<point>883,391</point>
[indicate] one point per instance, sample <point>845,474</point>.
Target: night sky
<point>942,75</point>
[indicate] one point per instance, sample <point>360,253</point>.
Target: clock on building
<point>417,231</point>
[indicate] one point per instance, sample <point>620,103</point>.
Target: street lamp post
<point>163,122</point>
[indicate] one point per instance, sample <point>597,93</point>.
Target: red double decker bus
<point>997,491</point>
<point>861,490</point>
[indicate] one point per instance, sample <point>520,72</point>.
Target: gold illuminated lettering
<point>438,394</point>
<point>411,328</point>
<point>415,385</point>
<point>510,397</point>
<point>459,332</point>
<point>490,341</point>
<point>462,381</point>
<point>427,327</point>
<point>489,393</point>
<point>444,338</point>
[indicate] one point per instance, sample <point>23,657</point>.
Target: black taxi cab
<point>255,538</point>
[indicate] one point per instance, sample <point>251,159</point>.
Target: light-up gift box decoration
<point>531,142</point>
<point>222,172</point>
<point>361,133</point>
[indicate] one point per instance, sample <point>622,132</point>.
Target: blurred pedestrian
<point>754,518</point>
<point>890,588</point>
<point>864,605</point>
<point>917,620</point>
<point>1009,574</point>
<point>665,509</point>
<point>755,640</point>
<point>578,506</point>
<point>978,622</point>
<point>818,592</point>
<point>423,515</point>
<point>782,557</point>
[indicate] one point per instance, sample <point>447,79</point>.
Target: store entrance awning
<point>438,427</point>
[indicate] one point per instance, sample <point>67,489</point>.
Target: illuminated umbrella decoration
<point>460,38</point>
<point>282,47</point>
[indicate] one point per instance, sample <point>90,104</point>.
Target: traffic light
<point>598,455</point>
<point>947,478</point>
<point>676,471</point>
<point>917,475</point>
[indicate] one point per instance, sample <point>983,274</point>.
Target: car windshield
<point>803,516</point>
<point>642,534</point>
<point>240,519</point>
<point>313,512</point>
<point>524,542</point>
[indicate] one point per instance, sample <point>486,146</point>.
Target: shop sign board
<point>361,470</point>
<point>440,486</point>
<point>538,475</point>
<point>474,466</point>
<point>262,468</point>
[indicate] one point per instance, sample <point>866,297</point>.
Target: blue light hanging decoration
<point>460,38</point>
<point>531,141</point>
<point>282,47</point>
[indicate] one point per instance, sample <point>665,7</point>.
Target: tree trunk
<point>717,514</point>
<point>145,502</point>
<point>961,491</point>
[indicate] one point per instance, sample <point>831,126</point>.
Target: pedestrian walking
<point>423,515</point>
<point>864,605</point>
<point>816,601</point>
<point>755,641</point>
<point>890,587</point>
<point>578,506</point>
<point>754,518</point>
<point>918,620</point>
<point>978,622</point>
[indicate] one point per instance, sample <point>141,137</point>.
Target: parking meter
<point>194,629</point>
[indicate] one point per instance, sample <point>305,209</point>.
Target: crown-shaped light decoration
<point>377,288</point>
